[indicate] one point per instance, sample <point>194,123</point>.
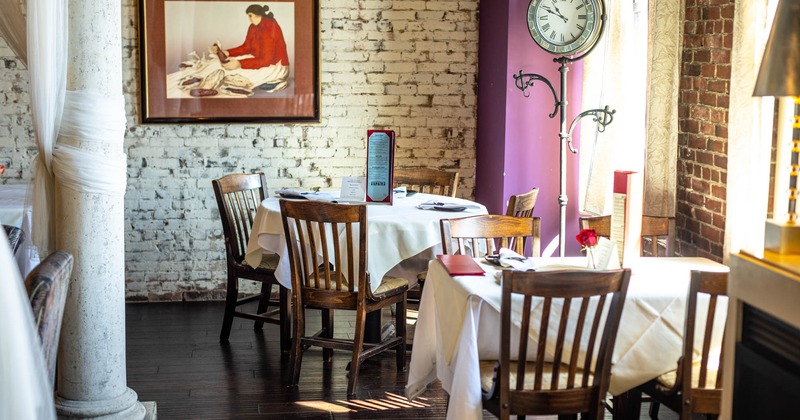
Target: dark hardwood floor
<point>175,359</point>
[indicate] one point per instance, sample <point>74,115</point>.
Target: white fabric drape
<point>666,20</point>
<point>47,65</point>
<point>12,28</point>
<point>25,392</point>
<point>614,75</point>
<point>98,119</point>
<point>749,131</point>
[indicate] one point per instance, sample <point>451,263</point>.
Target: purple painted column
<point>518,144</point>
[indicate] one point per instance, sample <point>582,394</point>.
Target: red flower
<point>587,238</point>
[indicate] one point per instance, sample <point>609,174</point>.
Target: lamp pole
<point>602,117</point>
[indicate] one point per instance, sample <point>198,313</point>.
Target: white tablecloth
<point>396,234</point>
<point>12,213</point>
<point>459,319</point>
<point>12,204</point>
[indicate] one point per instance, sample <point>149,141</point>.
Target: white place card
<point>353,188</point>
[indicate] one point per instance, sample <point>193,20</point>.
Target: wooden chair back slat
<point>653,228</point>
<point>487,233</point>
<point>522,205</point>
<point>238,197</point>
<point>427,180</point>
<point>570,288</point>
<point>523,345</point>
<point>590,347</point>
<point>576,339</point>
<point>560,341</point>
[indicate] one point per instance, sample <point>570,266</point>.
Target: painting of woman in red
<point>265,43</point>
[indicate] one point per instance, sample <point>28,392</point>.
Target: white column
<point>91,366</point>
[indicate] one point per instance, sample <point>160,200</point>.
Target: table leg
<point>372,327</point>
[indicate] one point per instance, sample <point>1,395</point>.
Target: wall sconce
<point>780,76</point>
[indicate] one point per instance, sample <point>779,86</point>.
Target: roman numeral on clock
<point>546,27</point>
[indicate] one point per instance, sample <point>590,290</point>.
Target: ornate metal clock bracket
<point>602,117</point>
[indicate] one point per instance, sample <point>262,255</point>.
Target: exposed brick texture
<point>404,65</point>
<point>703,124</point>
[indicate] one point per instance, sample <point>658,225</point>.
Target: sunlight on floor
<point>390,402</point>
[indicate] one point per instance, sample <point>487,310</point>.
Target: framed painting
<point>229,61</point>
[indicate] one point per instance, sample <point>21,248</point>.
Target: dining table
<point>458,325</point>
<point>402,238</point>
<point>403,232</point>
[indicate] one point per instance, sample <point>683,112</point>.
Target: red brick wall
<point>703,125</point>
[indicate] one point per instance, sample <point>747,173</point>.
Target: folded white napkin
<point>606,256</point>
<point>509,258</point>
<point>400,192</point>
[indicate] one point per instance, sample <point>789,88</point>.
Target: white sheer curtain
<point>24,388</point>
<point>664,54</point>
<point>12,28</point>
<point>25,392</point>
<point>47,65</point>
<point>749,131</point>
<point>614,75</point>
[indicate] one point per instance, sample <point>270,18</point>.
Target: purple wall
<point>515,135</point>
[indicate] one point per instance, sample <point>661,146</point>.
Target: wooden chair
<point>695,386</point>
<point>328,253</point>
<point>47,290</point>
<point>485,234</point>
<point>430,181</point>
<point>653,228</point>
<point>426,180</point>
<point>521,205</point>
<point>568,383</point>
<point>238,198</point>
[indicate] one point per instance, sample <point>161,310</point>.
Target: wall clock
<point>565,27</point>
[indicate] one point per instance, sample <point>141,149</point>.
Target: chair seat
<point>390,286</point>
<point>487,374</point>
<point>667,380</point>
<point>421,276</point>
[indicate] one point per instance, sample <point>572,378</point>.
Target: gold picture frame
<point>275,44</point>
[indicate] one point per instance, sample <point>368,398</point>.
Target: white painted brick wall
<point>410,66</point>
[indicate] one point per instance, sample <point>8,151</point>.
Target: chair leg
<point>627,405</point>
<point>230,308</point>
<point>327,326</point>
<point>285,319</point>
<point>296,357</point>
<point>263,303</point>
<point>653,411</point>
<point>358,347</point>
<point>400,331</point>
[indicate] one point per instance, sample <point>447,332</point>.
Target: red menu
<point>460,265</point>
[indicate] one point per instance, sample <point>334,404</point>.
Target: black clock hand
<point>554,13</point>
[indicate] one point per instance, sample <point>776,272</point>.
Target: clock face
<point>565,27</point>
